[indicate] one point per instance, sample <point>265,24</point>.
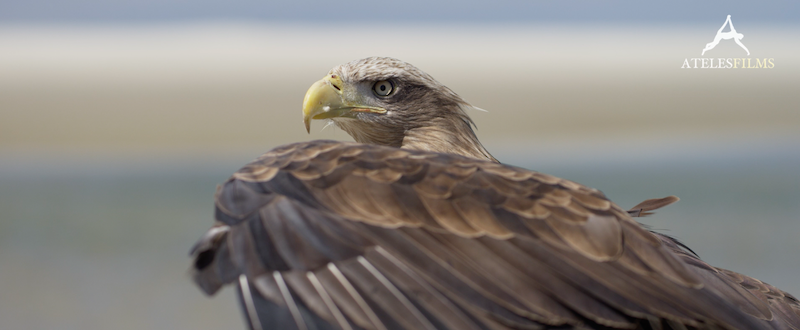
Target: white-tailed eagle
<point>416,226</point>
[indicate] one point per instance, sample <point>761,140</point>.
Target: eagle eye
<point>383,88</point>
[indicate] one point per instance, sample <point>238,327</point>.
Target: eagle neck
<point>446,136</point>
<point>371,132</point>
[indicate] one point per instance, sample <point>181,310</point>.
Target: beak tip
<point>323,101</point>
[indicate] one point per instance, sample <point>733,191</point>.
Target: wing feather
<point>479,216</point>
<point>446,215</point>
<point>374,321</point>
<point>431,300</point>
<point>341,321</point>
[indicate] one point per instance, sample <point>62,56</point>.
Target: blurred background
<point>118,119</point>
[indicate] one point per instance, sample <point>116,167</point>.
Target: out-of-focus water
<point>80,251</point>
<point>104,245</point>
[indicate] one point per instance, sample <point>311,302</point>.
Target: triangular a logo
<point>731,34</point>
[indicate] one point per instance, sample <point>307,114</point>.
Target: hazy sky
<point>143,11</point>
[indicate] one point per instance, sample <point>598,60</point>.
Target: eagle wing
<point>335,235</point>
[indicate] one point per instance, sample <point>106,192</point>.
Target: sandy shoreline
<point>216,86</point>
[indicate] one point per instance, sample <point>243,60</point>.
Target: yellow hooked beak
<point>324,99</point>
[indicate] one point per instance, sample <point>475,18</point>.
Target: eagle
<point>415,225</point>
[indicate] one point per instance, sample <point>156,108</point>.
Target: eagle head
<point>385,101</point>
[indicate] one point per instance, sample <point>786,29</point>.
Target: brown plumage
<point>416,226</point>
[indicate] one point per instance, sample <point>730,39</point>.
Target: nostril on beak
<point>333,76</point>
